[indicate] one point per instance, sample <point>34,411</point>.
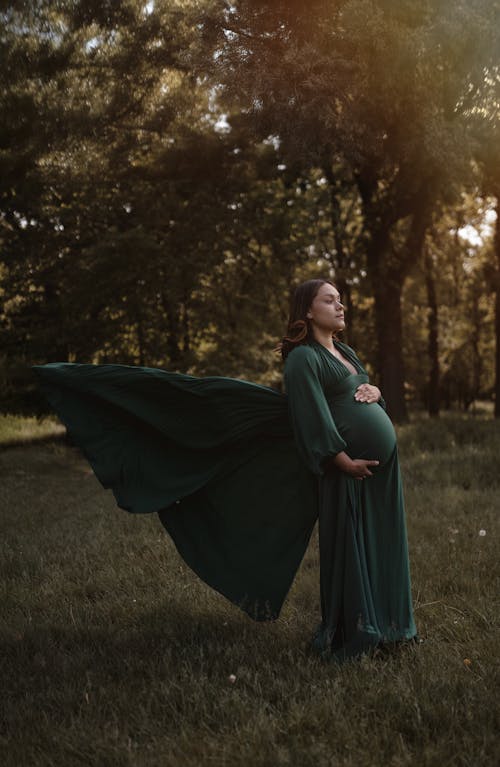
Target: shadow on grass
<point>46,658</point>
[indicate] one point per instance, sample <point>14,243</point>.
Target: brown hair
<point>299,329</point>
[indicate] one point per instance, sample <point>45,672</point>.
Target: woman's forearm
<point>340,461</point>
<point>358,467</point>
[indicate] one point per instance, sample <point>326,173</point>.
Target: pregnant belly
<point>366,428</point>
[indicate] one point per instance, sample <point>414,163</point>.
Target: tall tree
<point>485,109</point>
<point>382,85</point>
<point>114,176</point>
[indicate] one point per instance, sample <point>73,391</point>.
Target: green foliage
<point>169,171</point>
<point>386,89</point>
<point>460,270</point>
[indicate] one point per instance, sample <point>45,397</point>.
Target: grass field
<point>19,430</point>
<point>114,653</point>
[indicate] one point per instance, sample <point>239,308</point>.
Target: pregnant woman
<point>345,436</point>
<point>238,473</point>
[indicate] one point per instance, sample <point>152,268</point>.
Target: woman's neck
<point>324,337</point>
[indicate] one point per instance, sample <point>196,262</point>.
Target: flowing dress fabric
<point>236,472</point>
<point>364,578</point>
<point>215,457</point>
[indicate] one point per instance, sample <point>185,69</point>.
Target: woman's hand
<point>357,468</point>
<point>367,393</point>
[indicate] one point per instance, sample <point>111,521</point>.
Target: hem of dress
<point>364,643</point>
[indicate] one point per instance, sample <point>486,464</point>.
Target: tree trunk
<point>140,341</point>
<point>387,278</point>
<point>476,355</point>
<point>186,332</point>
<point>388,319</point>
<point>497,308</point>
<point>342,259</point>
<point>433,401</point>
<point>58,348</point>
<point>174,331</point>
<point>388,268</point>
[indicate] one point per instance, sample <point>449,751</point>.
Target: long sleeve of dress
<point>315,432</point>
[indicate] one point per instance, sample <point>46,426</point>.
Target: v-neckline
<point>339,360</point>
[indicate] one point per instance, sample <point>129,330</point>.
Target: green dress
<point>364,568</point>
<point>235,472</point>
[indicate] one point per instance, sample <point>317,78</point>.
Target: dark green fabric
<point>214,456</point>
<point>234,469</point>
<point>365,580</point>
<point>316,433</point>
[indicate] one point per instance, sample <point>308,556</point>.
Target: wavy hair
<point>299,329</point>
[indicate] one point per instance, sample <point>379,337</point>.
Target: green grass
<point>114,653</point>
<point>18,430</point>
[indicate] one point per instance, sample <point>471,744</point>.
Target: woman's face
<point>326,311</point>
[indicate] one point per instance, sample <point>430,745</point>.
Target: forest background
<point>170,169</point>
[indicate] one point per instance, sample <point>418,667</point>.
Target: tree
<point>380,91</point>
<point>117,179</point>
<point>485,110</point>
<point>449,339</point>
<point>171,170</point>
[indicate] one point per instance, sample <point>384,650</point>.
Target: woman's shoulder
<point>303,354</point>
